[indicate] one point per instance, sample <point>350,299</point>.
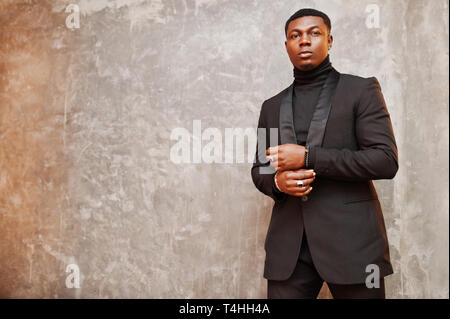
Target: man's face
<point>307,42</point>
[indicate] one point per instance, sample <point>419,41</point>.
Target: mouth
<point>305,54</point>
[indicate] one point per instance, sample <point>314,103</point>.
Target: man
<point>334,137</point>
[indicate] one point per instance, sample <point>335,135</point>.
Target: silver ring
<point>271,158</point>
<point>299,183</point>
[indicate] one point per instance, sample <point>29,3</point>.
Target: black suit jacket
<point>354,144</point>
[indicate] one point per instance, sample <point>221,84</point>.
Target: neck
<point>314,75</point>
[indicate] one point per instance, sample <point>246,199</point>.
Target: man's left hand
<point>286,156</point>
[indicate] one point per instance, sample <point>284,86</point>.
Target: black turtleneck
<point>306,94</point>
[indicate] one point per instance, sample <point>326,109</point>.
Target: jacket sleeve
<point>377,156</point>
<point>262,173</point>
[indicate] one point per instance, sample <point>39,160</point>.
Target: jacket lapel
<point>287,131</point>
<point>320,117</point>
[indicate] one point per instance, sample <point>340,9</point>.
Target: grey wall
<point>85,122</point>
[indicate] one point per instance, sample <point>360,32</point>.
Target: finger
<point>272,150</point>
<point>301,190</point>
<point>303,170</point>
<point>274,164</point>
<point>279,165</point>
<point>297,189</point>
<point>274,157</point>
<point>294,182</point>
<point>301,175</point>
<point>299,194</point>
<point>308,181</point>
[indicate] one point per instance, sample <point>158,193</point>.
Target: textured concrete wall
<point>85,122</point>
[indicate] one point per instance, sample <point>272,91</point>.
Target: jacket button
<point>304,198</point>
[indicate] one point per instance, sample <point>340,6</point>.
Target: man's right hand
<point>287,181</point>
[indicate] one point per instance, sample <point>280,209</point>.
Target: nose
<point>304,40</point>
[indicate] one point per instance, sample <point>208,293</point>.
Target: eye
<point>294,36</point>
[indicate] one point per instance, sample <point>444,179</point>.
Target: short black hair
<point>308,12</point>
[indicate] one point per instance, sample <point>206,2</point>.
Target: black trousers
<point>305,283</point>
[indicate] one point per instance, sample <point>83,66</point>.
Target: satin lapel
<point>319,120</point>
<point>287,130</point>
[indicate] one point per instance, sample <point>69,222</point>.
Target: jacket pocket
<point>362,199</point>
<point>359,192</point>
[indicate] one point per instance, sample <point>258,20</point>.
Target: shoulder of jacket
<point>358,81</point>
<point>354,78</point>
<point>359,85</point>
<point>276,99</point>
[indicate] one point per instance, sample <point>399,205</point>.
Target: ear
<point>330,42</point>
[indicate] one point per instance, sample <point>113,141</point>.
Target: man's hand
<point>286,156</point>
<point>287,181</point>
